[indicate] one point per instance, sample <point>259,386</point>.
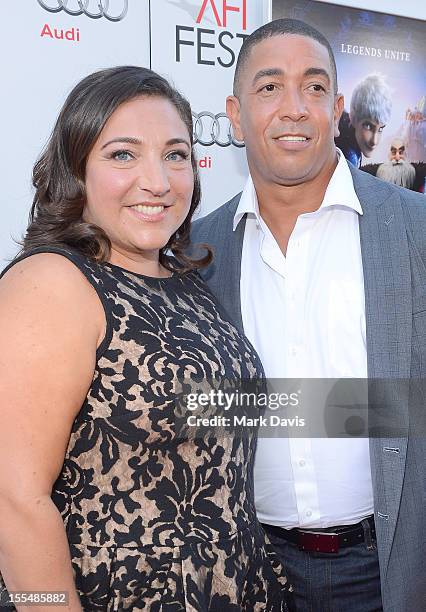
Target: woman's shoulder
<point>45,275</point>
<point>46,290</point>
<point>42,267</point>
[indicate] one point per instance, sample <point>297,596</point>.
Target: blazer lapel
<point>388,310</point>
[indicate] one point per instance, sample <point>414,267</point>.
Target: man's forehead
<point>288,49</point>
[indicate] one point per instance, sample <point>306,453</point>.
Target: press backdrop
<point>49,45</point>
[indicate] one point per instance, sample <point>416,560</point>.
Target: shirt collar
<point>248,203</point>
<point>340,192</point>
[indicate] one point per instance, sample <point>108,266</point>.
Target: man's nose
<point>153,177</point>
<point>293,105</point>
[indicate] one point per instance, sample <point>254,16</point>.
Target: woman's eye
<point>177,155</point>
<point>122,155</point>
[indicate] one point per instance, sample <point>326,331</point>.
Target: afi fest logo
<point>209,47</point>
<point>95,9</point>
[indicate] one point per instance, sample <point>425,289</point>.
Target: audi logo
<point>210,129</point>
<point>86,7</point>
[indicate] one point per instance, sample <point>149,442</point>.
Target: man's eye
<point>317,87</point>
<point>368,126</point>
<point>122,155</point>
<point>269,88</point>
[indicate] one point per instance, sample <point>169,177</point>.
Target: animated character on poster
<point>414,131</point>
<point>397,169</point>
<point>361,129</point>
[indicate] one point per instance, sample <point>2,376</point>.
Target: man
<point>319,264</point>
<point>397,170</point>
<point>360,131</point>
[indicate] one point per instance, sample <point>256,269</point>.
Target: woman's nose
<point>153,178</point>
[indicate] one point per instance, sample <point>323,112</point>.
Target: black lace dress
<point>155,522</point>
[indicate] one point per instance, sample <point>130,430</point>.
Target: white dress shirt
<point>305,315</point>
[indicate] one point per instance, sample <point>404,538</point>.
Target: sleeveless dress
<point>155,522</point>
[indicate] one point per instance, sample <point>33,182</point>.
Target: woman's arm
<point>51,322</point>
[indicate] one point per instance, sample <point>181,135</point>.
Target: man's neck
<point>280,205</point>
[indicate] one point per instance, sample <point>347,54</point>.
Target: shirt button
<point>308,512</point>
<point>302,463</point>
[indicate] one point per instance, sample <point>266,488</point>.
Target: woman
<point>98,496</point>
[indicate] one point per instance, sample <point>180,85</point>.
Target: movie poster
<point>381,67</point>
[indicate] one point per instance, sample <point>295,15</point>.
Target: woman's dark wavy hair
<point>59,174</point>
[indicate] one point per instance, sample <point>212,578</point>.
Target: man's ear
<point>339,105</point>
<point>233,112</point>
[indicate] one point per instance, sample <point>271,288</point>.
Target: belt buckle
<point>318,541</point>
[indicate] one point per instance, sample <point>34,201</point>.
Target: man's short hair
<point>371,99</point>
<point>281,27</point>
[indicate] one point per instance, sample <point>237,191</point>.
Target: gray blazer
<point>393,247</point>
